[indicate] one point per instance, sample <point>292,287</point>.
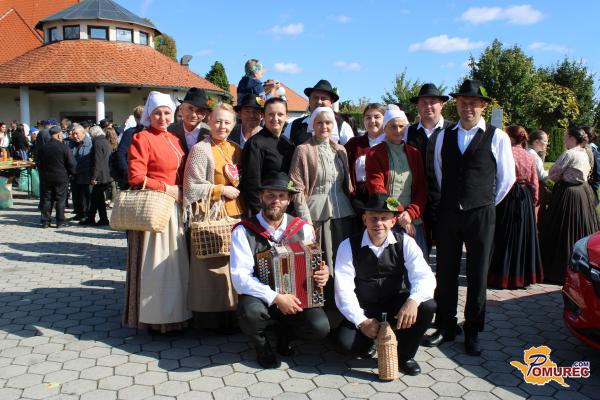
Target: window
<point>144,38</point>
<point>52,35</point>
<point>97,32</point>
<point>124,35</point>
<point>71,32</point>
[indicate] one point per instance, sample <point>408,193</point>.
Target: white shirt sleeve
<point>437,158</point>
<point>420,276</point>
<point>288,129</point>
<point>345,297</point>
<point>505,164</point>
<point>241,264</point>
<point>345,133</point>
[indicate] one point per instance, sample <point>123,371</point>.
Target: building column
<point>100,108</point>
<point>24,105</point>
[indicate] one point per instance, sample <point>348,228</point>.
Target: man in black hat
<point>430,102</point>
<point>259,306</point>
<point>194,109</point>
<point>320,95</point>
<point>475,169</point>
<point>364,292</point>
<point>250,110</point>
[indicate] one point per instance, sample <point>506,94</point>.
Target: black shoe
<point>283,345</point>
<point>266,358</point>
<point>472,347</point>
<point>77,218</point>
<point>410,367</point>
<point>86,221</point>
<point>102,223</point>
<point>440,336</point>
<point>63,224</point>
<point>45,225</point>
<point>370,352</point>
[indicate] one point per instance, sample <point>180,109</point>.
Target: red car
<point>581,291</point>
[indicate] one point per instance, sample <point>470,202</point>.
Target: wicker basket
<point>387,353</point>
<point>142,210</point>
<point>211,237</point>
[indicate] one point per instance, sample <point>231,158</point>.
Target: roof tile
<point>16,37</point>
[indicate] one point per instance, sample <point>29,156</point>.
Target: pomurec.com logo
<point>539,368</point>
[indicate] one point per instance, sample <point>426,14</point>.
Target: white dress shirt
<point>539,165</point>
<point>359,165</point>
<point>440,124</point>
<point>501,149</point>
<point>241,262</point>
<point>191,138</point>
<point>420,276</point>
<point>342,137</point>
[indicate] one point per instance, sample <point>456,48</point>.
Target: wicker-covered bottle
<point>387,351</point>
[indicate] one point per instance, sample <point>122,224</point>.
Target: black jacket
<point>56,162</point>
<point>177,128</point>
<point>100,155</point>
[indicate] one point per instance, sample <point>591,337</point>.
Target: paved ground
<point>60,338</point>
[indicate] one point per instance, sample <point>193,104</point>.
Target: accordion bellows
<point>289,269</point>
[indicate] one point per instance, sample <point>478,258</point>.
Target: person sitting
<point>259,305</point>
<point>370,268</point>
<point>251,82</point>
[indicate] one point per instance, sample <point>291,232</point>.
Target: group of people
<point>376,204</point>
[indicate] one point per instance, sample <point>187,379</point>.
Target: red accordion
<point>289,268</point>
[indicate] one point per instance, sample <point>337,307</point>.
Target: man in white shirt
<point>194,108</point>
<point>320,95</point>
<point>369,273</point>
<point>259,306</point>
<point>475,170</point>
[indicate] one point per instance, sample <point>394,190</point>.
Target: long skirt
<point>570,216</point>
<point>516,258</point>
<point>157,278</point>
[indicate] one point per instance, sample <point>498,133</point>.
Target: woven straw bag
<point>211,237</point>
<point>387,352</point>
<point>142,210</point>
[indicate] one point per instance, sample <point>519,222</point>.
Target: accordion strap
<point>293,227</point>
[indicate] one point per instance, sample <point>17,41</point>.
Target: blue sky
<point>359,46</point>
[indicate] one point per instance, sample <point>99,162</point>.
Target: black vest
<point>418,138</point>
<point>469,179</point>
<point>377,279</point>
<point>299,130</point>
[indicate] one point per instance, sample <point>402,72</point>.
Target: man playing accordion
<point>259,306</point>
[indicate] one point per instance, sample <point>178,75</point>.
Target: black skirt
<point>570,216</point>
<point>516,259</point>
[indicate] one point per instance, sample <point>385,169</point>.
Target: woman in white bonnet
<point>157,263</point>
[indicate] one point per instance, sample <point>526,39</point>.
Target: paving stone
<point>99,395</point>
<point>10,394</point>
<point>357,390</point>
<point>41,391</point>
<point>388,396</point>
<point>297,385</point>
<point>329,381</point>
<point>395,386</point>
<point>78,386</point>
<point>480,396</point>
<point>130,369</point>
<point>171,388</point>
<point>272,376</point>
<point>24,381</point>
<point>477,384</point>
<point>115,382</point>
<point>419,393</point>
<point>230,393</point>
<point>62,376</point>
<point>217,371</point>
<point>448,389</point>
<point>206,384</point>
<point>264,390</point>
<point>323,393</point>
<point>239,379</point>
<point>509,393</point>
<point>11,371</point>
<point>193,395</point>
<point>445,375</point>
<point>291,396</point>
<point>150,378</point>
<point>303,372</point>
<point>184,374</point>
<point>136,392</point>
<point>112,360</point>
<point>96,373</point>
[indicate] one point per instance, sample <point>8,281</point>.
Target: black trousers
<point>53,194</point>
<point>352,341</point>
<point>98,201</point>
<point>81,199</point>
<point>475,228</point>
<point>254,317</point>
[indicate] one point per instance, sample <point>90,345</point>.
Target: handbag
<point>142,210</point>
<point>211,237</point>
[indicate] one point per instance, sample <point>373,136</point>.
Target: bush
<point>555,144</point>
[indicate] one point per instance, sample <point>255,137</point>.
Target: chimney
<point>185,60</point>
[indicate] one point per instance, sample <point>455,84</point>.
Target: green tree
<point>166,45</point>
<point>217,76</point>
<point>348,106</point>
<point>555,106</point>
<point>449,112</point>
<point>403,90</point>
<point>575,76</point>
<point>510,77</point>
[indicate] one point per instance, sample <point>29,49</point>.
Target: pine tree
<point>217,76</point>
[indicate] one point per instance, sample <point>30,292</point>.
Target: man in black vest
<point>259,306</point>
<point>430,102</point>
<point>320,95</point>
<point>475,169</point>
<point>369,272</point>
<point>194,109</point>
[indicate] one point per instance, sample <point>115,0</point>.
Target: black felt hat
<point>250,100</point>
<point>278,181</point>
<point>197,97</point>
<point>324,86</point>
<point>382,202</point>
<point>429,90</point>
<point>472,88</point>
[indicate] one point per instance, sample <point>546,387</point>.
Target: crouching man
<point>370,269</point>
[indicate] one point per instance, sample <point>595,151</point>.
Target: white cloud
<point>145,6</point>
<point>288,68</point>
<point>288,30</point>
<point>204,52</point>
<point>445,44</point>
<point>342,19</point>
<point>348,66</point>
<point>519,15</point>
<point>543,46</point>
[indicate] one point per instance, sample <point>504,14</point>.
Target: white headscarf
<point>315,113</point>
<point>393,112</point>
<point>156,99</point>
<point>130,123</point>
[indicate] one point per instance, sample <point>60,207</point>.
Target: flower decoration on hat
<point>260,101</point>
<point>291,186</point>
<point>210,103</point>
<point>483,91</point>
<point>393,204</point>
